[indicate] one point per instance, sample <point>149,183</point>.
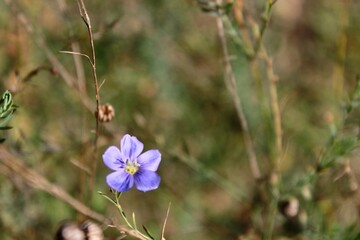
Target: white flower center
<point>132,166</point>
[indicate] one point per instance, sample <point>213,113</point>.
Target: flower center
<point>132,166</point>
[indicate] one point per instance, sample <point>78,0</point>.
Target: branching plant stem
<point>232,88</point>
<point>92,60</point>
<point>259,54</point>
<point>135,232</point>
<point>265,21</point>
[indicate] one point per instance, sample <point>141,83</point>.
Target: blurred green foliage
<point>162,69</point>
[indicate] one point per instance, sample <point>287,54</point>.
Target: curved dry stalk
<point>86,19</point>
<point>14,166</point>
<point>37,181</point>
<point>92,60</point>
<point>165,221</point>
<point>78,54</point>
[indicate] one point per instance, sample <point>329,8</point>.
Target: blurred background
<point>161,66</point>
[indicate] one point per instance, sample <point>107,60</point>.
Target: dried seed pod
<point>69,231</point>
<point>92,230</point>
<point>106,113</point>
<point>72,231</point>
<point>289,207</point>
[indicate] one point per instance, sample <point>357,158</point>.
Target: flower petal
<point>120,181</point>
<point>113,158</point>
<point>150,160</point>
<point>131,147</point>
<point>146,180</point>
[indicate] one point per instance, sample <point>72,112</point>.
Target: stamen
<point>132,167</point>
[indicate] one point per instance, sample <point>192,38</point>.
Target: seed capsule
<point>106,113</point>
<point>86,231</point>
<point>69,231</point>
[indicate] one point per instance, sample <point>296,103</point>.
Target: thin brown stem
<point>238,11</point>
<point>272,80</point>
<point>165,221</point>
<point>75,46</point>
<point>232,88</point>
<point>59,68</point>
<point>41,43</point>
<point>341,51</point>
<point>86,19</point>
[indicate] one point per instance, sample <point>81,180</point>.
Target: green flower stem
<point>116,202</point>
<point>118,205</point>
<point>265,21</point>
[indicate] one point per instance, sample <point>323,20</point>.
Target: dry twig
<point>37,181</point>
<point>165,221</point>
<point>86,19</point>
<point>13,166</point>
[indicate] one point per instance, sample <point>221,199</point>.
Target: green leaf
<point>3,122</point>
<point>228,7</point>
<point>209,7</point>
<point>123,214</point>
<point>7,108</point>
<point>6,104</point>
<point>5,128</point>
<point>107,197</point>
<point>147,232</point>
<point>343,146</point>
<point>338,149</point>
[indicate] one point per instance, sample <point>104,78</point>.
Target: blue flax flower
<point>131,166</point>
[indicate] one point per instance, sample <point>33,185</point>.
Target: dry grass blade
<point>165,221</point>
<point>37,181</point>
